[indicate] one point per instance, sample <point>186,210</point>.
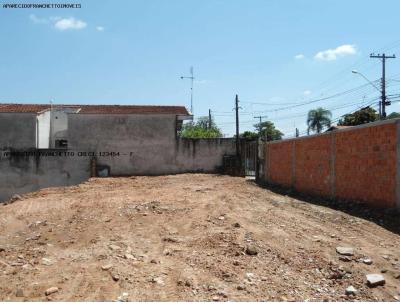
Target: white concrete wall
<point>59,124</point>
<point>52,123</point>
<point>43,130</point>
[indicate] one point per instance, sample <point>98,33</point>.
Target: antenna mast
<point>191,77</point>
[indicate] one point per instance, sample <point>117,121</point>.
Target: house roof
<point>23,108</point>
<point>337,127</point>
<point>96,109</point>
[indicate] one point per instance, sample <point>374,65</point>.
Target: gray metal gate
<point>250,151</point>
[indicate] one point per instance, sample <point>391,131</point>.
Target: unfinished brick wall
<point>366,164</point>
<point>358,164</point>
<point>280,163</point>
<point>313,165</point>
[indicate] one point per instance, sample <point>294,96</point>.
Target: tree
<point>249,135</point>
<point>393,115</point>
<point>201,129</point>
<point>318,119</point>
<point>203,122</point>
<point>359,117</point>
<point>268,131</point>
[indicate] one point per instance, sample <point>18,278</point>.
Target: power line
<point>361,62</point>
<point>269,104</point>
<point>357,92</point>
<point>319,99</point>
<point>338,118</point>
<point>360,104</point>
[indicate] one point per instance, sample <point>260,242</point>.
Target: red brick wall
<point>280,163</point>
<point>358,164</point>
<point>366,165</point>
<point>313,161</point>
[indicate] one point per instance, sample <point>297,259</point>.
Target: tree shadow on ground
<point>386,218</point>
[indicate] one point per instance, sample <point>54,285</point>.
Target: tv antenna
<point>191,77</point>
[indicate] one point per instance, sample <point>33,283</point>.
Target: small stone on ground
<point>375,280</point>
<point>51,290</point>
<point>351,290</point>
<point>251,250</point>
<point>345,251</point>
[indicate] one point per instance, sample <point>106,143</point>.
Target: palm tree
<point>318,119</point>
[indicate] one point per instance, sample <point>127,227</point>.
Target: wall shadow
<point>386,218</point>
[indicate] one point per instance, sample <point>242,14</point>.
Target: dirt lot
<point>187,238</point>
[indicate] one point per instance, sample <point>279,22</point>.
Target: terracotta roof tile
<point>30,108</point>
<point>337,127</point>
<point>97,109</point>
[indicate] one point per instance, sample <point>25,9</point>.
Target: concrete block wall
<point>202,155</point>
<point>358,164</point>
<point>18,130</point>
<point>23,174</point>
<point>147,144</point>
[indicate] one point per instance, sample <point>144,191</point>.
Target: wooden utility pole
<point>259,124</point>
<point>383,102</point>
<point>209,119</point>
<point>237,126</point>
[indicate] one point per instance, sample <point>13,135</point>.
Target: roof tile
<point>97,109</point>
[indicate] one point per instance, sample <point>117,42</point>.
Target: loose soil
<point>189,237</point>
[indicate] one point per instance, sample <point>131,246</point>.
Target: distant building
<point>44,126</point>
<point>57,145</point>
<point>337,127</point>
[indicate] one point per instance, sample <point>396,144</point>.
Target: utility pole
<point>209,119</point>
<point>259,125</point>
<point>191,77</point>
<point>237,126</point>
<point>384,103</point>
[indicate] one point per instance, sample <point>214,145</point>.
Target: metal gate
<point>250,151</point>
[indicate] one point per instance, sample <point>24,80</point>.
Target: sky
<point>276,55</point>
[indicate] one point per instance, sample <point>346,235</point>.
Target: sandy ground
<point>184,238</point>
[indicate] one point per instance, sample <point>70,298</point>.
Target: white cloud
<point>299,56</point>
<point>38,20</point>
<point>69,23</point>
<point>99,28</point>
<point>307,92</point>
<point>333,54</point>
<point>61,23</point>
